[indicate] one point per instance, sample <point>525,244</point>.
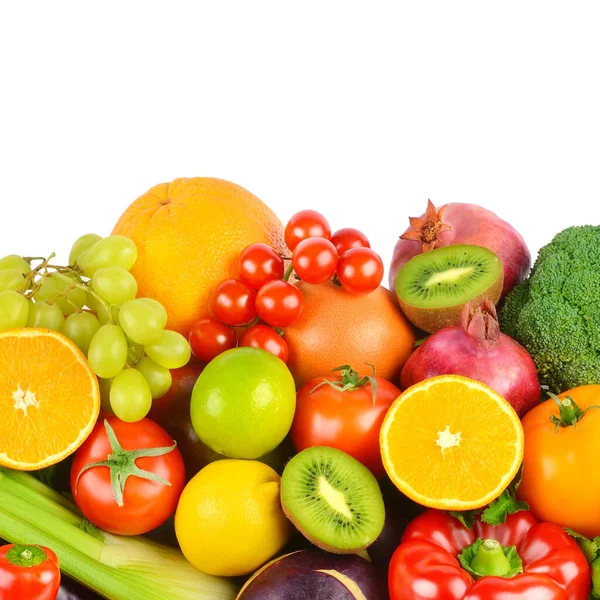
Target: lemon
<point>229,519</point>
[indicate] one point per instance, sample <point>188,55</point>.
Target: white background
<point>361,110</point>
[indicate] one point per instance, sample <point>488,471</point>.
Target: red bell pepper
<point>28,573</point>
<point>440,559</point>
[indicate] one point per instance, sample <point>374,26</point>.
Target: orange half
<point>451,443</point>
<point>49,398</point>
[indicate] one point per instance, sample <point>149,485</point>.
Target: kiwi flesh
<point>332,499</point>
<point>433,287</point>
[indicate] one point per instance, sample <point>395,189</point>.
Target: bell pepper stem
<point>26,556</point>
<point>490,559</point>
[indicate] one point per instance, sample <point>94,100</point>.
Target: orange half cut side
<point>49,398</point>
<point>451,443</point>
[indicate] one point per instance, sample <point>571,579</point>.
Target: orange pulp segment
<point>451,443</point>
<point>49,398</point>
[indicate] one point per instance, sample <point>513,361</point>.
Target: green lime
<point>243,403</point>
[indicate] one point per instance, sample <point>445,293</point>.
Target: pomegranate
<point>460,223</point>
<point>478,350</point>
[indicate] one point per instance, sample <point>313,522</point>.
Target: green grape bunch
<point>92,301</point>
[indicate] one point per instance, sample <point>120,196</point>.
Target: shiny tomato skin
<point>348,238</point>
<point>208,338</point>
<point>306,224</point>
<point>561,478</point>
<point>147,504</point>
<point>259,263</point>
<point>349,420</point>
<point>279,303</point>
<point>315,260</point>
<point>233,303</point>
<point>360,270</point>
<point>265,337</point>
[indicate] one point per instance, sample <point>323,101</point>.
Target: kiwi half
<point>332,499</point>
<point>433,287</point>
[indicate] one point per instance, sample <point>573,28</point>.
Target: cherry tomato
<point>315,260</point>
<point>360,270</point>
<point>137,504</point>
<point>348,420</point>
<point>306,224</point>
<point>279,303</point>
<point>347,238</point>
<point>259,263</point>
<point>209,337</point>
<point>262,336</point>
<point>233,303</point>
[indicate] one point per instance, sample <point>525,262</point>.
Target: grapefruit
<point>338,328</point>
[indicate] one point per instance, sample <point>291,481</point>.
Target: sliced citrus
<point>452,443</point>
<point>49,398</point>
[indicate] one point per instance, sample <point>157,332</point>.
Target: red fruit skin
<point>505,366</point>
<point>473,224</point>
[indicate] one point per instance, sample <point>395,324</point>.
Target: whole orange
<point>189,234</point>
<point>338,328</point>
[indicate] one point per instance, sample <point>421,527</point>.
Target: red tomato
<point>348,420</point>
<point>259,263</point>
<point>347,238</point>
<point>233,303</point>
<point>146,503</point>
<point>279,303</point>
<point>209,337</point>
<point>315,260</point>
<point>262,336</point>
<point>306,224</point>
<point>360,270</point>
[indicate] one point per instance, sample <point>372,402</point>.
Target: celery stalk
<point>116,567</point>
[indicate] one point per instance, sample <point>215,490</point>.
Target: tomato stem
<point>351,381</point>
<point>288,272</point>
<point>569,412</point>
<point>122,465</point>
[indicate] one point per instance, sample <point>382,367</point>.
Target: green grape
<point>159,379</point>
<point>140,322</point>
<point>130,396</point>
<point>46,315</point>
<point>53,285</point>
<point>115,285</point>
<point>136,352</point>
<point>14,310</point>
<point>172,351</point>
<point>107,354</point>
<point>14,261</point>
<point>85,242</point>
<point>104,385</point>
<point>99,308</point>
<point>11,279</point>
<point>80,328</point>
<point>162,311</point>
<point>113,251</point>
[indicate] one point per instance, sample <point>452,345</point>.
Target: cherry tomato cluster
<point>317,255</point>
<point>264,293</point>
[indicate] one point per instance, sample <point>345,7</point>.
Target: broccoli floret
<point>555,314</point>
